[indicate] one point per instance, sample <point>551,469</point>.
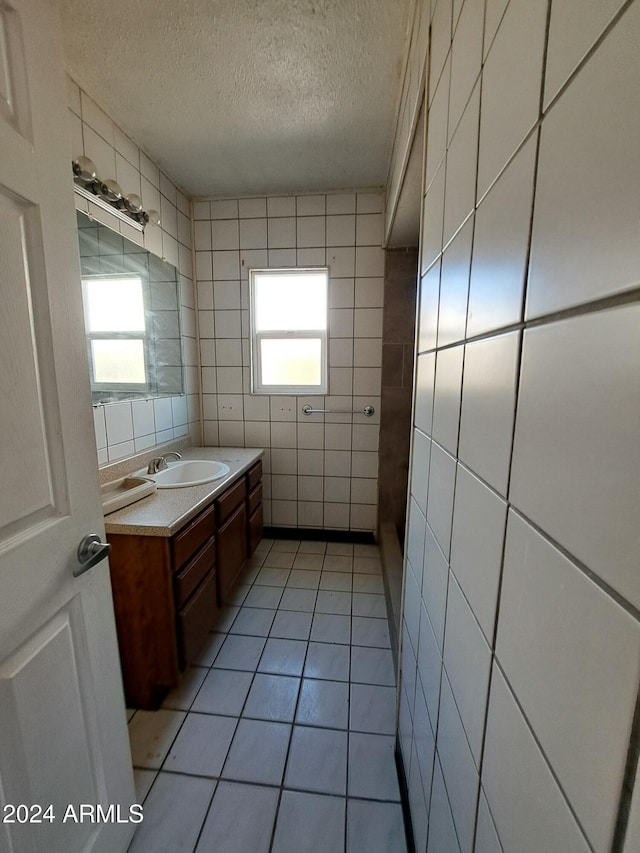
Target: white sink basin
<point>189,472</point>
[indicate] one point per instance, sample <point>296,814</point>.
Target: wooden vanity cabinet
<point>167,590</point>
<point>165,602</point>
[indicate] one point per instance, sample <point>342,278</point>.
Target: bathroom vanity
<point>175,558</point>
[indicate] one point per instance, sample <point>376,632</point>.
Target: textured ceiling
<point>247,96</point>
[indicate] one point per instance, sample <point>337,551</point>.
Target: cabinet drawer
<point>254,475</point>
<point>230,500</point>
<point>194,572</point>
<point>195,620</point>
<point>255,499</point>
<point>192,537</point>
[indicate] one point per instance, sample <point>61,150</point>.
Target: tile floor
<point>281,738</point>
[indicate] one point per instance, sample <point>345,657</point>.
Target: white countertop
<point>167,510</point>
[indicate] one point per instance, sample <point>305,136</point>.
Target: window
<point>289,331</point>
<point>116,331</point>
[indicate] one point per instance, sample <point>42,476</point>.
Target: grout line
<point>545,758</point>
<point>618,844</point>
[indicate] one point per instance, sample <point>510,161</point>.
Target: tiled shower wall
<point>521,638</point>
<point>126,428</point>
<point>321,470</point>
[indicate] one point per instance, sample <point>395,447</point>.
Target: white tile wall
<point>529,810</point>
<point>467,661</point>
<point>574,469</point>
<point>528,653</point>
<point>541,586</point>
<point>130,426</point>
<point>510,99</point>
<point>585,241</point>
<point>328,475</point>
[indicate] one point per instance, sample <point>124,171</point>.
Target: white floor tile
<point>202,745</point>
<point>367,565</point>
<point>327,660</point>
<point>372,666</point>
<point>303,579</point>
<point>151,734</point>
<point>311,548</point>
<point>272,577</point>
<point>239,593</point>
<point>372,709</point>
<point>280,559</point>
<point>240,652</point>
<point>173,814</point>
<point>290,625</point>
<point>334,602</point>
<point>338,581</point>
<point>283,657</point>
<point>370,632</point>
<point>375,827</point>
<point>331,628</point>
<point>272,697</point>
<point>143,780</point>
<point>372,769</point>
<point>264,596</point>
<point>309,823</point>
<point>223,692</point>
<point>368,583</point>
<point>298,599</point>
<point>308,560</point>
<point>183,695</point>
<point>337,563</point>
<point>317,761</point>
<point>340,548</point>
<point>258,752</point>
<point>253,621</point>
<point>240,819</point>
<point>324,703</point>
<point>369,604</point>
<point>225,618</point>
<point>210,649</point>
<point>286,546</point>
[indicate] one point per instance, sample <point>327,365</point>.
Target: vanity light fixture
<point>108,195</point>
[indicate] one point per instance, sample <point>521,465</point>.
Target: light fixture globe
<point>84,169</point>
<point>133,203</point>
<point>111,190</point>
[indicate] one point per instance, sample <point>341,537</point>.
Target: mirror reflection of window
<point>116,330</point>
<point>132,318</point>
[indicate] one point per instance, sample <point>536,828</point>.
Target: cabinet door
<point>196,619</point>
<point>255,529</point>
<point>232,551</point>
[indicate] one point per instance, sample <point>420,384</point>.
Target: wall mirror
<point>132,317</point>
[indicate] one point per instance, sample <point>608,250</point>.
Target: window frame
<point>143,336</point>
<point>257,386</point>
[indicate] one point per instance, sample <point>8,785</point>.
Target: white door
<point>63,737</point>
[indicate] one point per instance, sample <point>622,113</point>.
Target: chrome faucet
<point>159,463</point>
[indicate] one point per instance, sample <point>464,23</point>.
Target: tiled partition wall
<point>320,470</point>
<point>521,636</point>
<point>126,428</point>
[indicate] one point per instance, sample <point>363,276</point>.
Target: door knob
<point>90,552</point>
